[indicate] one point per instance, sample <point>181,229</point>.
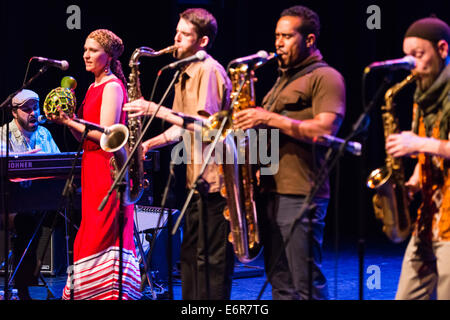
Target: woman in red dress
<point>97,249</point>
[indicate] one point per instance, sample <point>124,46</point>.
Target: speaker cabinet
<point>54,262</point>
<point>146,219</point>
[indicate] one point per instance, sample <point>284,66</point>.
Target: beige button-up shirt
<point>202,86</point>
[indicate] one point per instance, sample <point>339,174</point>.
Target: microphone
<point>335,142</point>
<point>407,62</point>
<point>42,119</point>
<point>61,64</point>
<point>262,62</point>
<point>261,55</point>
<point>93,126</point>
<point>199,56</point>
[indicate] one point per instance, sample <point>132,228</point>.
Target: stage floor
<point>381,270</point>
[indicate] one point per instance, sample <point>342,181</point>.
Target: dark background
<point>39,29</point>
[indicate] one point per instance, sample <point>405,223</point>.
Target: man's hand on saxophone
<point>141,107</point>
<point>402,144</point>
<point>407,143</point>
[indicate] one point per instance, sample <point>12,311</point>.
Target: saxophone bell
<point>114,137</point>
<point>378,177</point>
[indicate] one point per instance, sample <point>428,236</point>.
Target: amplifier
<point>54,260</point>
<point>151,223</point>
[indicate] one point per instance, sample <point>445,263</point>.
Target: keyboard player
<point>25,136</point>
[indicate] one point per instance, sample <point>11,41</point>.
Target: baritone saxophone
<point>240,181</point>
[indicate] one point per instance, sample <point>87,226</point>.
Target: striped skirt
<point>97,277</point>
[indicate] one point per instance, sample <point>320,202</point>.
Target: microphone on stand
<point>407,62</point>
<point>262,62</point>
<point>199,56</point>
<point>42,119</point>
<point>61,64</point>
<point>335,142</point>
<point>93,126</point>
<point>261,55</point>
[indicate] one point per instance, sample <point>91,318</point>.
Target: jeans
<point>288,266</point>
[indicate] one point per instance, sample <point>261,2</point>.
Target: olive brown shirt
<point>321,90</point>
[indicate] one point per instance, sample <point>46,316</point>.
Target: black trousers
<point>207,258</point>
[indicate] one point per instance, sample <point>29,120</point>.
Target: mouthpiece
<point>148,52</point>
<point>169,49</point>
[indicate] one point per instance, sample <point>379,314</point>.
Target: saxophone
<point>391,202</point>
<point>240,182</point>
<point>116,141</point>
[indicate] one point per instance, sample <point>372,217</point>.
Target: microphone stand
<point>169,237</point>
<point>360,126</point>
<point>120,177</point>
<point>68,195</point>
<point>5,168</point>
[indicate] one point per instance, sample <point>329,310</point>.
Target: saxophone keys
<point>226,213</point>
<point>230,237</point>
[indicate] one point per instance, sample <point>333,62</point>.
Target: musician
<point>97,244</point>
<point>26,136</point>
<point>202,86</point>
<point>307,101</point>
<point>425,272</point>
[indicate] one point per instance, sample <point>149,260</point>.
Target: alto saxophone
<point>391,202</point>
<point>115,142</point>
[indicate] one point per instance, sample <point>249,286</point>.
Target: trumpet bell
<point>115,138</point>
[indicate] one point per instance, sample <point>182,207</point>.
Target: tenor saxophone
<point>391,202</point>
<point>114,142</point>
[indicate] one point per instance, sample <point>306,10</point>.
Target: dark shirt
<point>321,90</point>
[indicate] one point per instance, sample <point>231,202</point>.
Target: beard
<point>28,124</point>
<point>428,77</point>
<point>425,82</point>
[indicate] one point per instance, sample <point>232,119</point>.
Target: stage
<point>382,264</point>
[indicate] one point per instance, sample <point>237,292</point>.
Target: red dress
<point>96,248</point>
